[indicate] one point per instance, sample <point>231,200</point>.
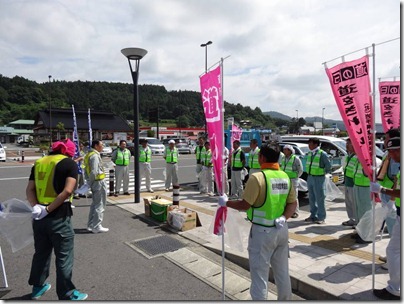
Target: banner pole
<point>373,162</point>
<point>223,218</point>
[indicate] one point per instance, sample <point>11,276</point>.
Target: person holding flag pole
<point>269,199</point>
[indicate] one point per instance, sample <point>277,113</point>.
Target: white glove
<point>280,222</point>
<point>39,212</point>
<point>223,200</point>
<point>375,187</point>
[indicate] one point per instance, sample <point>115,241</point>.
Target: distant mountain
<point>278,115</point>
<point>328,122</point>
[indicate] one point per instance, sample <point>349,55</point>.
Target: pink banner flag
<point>351,88</point>
<point>390,104</point>
<point>212,101</point>
<point>236,132</point>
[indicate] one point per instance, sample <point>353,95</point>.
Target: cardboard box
<point>158,209</point>
<point>182,219</point>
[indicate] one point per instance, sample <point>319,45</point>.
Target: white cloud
<point>276,47</point>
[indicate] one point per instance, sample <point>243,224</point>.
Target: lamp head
<point>206,44</point>
<point>134,53</point>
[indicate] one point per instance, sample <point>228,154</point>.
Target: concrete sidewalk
<point>325,263</point>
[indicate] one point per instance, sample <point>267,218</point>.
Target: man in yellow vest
<point>145,155</point>
<point>292,166</point>
<point>199,154</point>
<point>171,157</point>
<point>49,191</point>
<point>95,175</point>
<point>270,200</point>
<point>317,165</point>
<point>207,170</point>
<point>393,251</point>
<point>121,159</point>
<point>253,163</point>
<point>237,162</point>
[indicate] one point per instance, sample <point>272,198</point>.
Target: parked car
<point>106,150</point>
<point>301,150</point>
<point>183,148</point>
<point>156,146</point>
<point>176,139</point>
<point>192,144</point>
<point>2,153</point>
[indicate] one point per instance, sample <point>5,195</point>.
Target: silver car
<point>2,153</point>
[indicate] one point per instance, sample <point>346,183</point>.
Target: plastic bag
<point>16,223</point>
<point>244,173</point>
<point>364,227</point>
<point>302,185</point>
<point>83,190</point>
<point>331,190</point>
<point>236,230</point>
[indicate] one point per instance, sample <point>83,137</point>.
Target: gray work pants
<point>350,204</point>
<point>171,175</point>
<point>145,171</point>
<point>268,247</point>
<point>122,174</point>
<point>236,184</point>
<point>99,201</point>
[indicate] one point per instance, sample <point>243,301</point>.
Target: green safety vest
<point>386,182</point>
<point>207,159</point>
<point>171,155</point>
<point>145,155</point>
<point>236,159</point>
<point>122,157</point>
<point>288,166</point>
<point>98,177</point>
<point>44,174</point>
<point>360,179</point>
<point>313,163</point>
<point>253,160</point>
<point>277,191</point>
<point>398,186</point>
<point>350,165</point>
<point>200,154</point>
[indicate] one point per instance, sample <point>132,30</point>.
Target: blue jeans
<point>316,187</point>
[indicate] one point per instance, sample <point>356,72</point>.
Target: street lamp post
<point>205,45</point>
<point>135,54</point>
<point>297,121</point>
<point>50,111</point>
<point>322,122</point>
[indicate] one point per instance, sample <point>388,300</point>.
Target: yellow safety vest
<point>277,191</point>
<point>44,174</point>
<point>236,159</point>
<point>360,179</point>
<point>350,165</point>
<point>171,155</point>
<point>98,177</point>
<point>398,186</point>
<point>122,157</point>
<point>313,163</point>
<point>200,154</point>
<point>207,161</point>
<point>288,166</point>
<point>145,155</point>
<point>253,162</point>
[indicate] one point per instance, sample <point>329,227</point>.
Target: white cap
<point>290,148</point>
<point>171,141</point>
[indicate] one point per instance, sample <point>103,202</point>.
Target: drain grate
<point>156,246</point>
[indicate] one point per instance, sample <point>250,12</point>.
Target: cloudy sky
<point>277,47</point>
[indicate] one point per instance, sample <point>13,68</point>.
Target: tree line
<point>21,98</point>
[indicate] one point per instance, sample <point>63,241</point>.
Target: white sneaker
<point>150,190</point>
<point>100,229</point>
<point>89,229</point>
